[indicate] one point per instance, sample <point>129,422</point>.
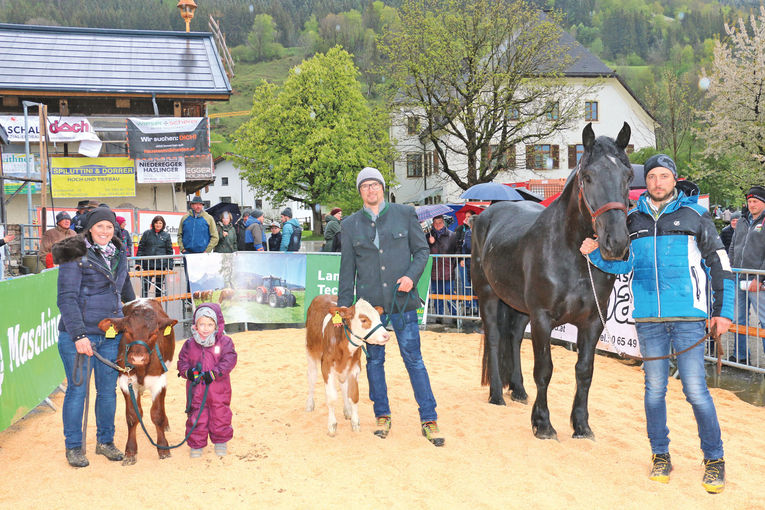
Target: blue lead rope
<point>189,396</point>
<point>188,406</point>
<point>396,310</point>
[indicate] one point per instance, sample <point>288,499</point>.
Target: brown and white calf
<point>144,321</point>
<point>328,346</point>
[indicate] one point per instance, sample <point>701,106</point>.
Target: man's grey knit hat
<point>368,173</point>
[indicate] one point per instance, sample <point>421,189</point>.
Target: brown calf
<point>226,294</point>
<point>144,321</point>
<point>340,359</point>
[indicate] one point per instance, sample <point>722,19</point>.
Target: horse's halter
<point>606,207</point>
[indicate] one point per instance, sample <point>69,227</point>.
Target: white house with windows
<point>230,187</point>
<point>611,103</point>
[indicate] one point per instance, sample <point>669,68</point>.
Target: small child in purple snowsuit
<point>206,359</point>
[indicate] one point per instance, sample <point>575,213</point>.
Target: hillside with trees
<point>662,48</point>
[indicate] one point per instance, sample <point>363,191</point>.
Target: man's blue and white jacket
<point>672,257</point>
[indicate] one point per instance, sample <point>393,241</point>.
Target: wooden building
<point>106,76</point>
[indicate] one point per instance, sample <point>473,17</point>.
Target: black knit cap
<point>658,160</point>
<point>757,192</point>
<point>99,214</point>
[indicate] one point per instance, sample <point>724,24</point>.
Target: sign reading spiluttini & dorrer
<point>92,177</point>
<point>163,137</point>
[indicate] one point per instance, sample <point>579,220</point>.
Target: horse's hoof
<point>545,432</point>
<point>521,397</point>
<point>128,460</point>
<point>583,433</point>
<point>497,401</point>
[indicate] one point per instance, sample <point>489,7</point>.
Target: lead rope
<point>654,358</point>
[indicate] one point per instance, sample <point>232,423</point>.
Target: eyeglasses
<point>374,186</point>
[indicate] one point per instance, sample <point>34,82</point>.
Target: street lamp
<point>187,8</point>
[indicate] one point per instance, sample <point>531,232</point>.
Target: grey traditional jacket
<point>373,270</point>
<point>747,249</point>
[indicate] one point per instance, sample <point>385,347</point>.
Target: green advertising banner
<point>30,367</point>
<point>323,271</point>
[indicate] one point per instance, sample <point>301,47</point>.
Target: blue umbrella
<point>425,212</point>
<point>490,191</point>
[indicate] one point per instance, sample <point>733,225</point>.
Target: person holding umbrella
<point>442,241</point>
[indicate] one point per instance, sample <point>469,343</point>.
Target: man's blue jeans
<point>106,383</point>
<point>408,337</point>
<point>655,339</point>
<point>744,301</point>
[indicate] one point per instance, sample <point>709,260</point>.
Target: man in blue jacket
<point>289,225</point>
<point>197,232</point>
<point>383,250</point>
<point>674,247</point>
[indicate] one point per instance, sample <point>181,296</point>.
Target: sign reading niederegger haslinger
<point>163,137</point>
<point>160,170</point>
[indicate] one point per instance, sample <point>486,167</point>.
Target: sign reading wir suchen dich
<point>164,137</point>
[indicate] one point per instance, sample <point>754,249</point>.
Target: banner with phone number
<point>619,335</point>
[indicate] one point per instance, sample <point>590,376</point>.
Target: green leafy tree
<point>670,101</point>
<point>261,41</point>
<point>308,140</point>
<point>477,75</point>
<point>734,125</point>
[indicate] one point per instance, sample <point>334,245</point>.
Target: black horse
<point>527,266</point>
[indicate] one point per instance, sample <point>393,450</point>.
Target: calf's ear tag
<point>111,332</point>
<point>336,319</point>
<point>167,331</point>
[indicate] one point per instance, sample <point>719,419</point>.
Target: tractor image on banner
<point>275,292</point>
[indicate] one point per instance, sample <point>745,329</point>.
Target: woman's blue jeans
<point>106,383</point>
<point>408,337</point>
<point>655,339</point>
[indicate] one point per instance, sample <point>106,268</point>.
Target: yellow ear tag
<point>111,332</point>
<point>336,319</point>
<point>167,331</point>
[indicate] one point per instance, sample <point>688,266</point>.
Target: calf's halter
<point>362,344</point>
<point>149,349</point>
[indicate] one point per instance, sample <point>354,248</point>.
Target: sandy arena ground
<point>282,457</point>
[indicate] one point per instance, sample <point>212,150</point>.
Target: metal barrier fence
<point>452,298</point>
<point>451,289</point>
<point>163,278</point>
<point>744,344</point>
